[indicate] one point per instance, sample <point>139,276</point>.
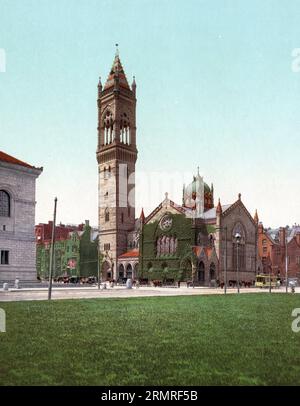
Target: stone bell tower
<point>116,156</point>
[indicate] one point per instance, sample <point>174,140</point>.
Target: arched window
<point>239,249</point>
<point>107,214</point>
<point>212,271</point>
<point>108,127</point>
<point>4,204</point>
<point>201,272</point>
<point>125,129</point>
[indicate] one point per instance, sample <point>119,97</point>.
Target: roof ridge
<point>4,157</point>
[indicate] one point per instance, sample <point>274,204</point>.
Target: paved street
<point>117,292</point>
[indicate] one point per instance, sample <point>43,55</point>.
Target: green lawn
<point>187,340</point>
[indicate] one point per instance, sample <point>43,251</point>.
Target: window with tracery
<point>125,129</point>
<point>4,204</point>
<point>108,125</point>
<point>166,245</point>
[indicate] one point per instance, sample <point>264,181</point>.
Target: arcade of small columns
<point>128,269</point>
<point>109,132</point>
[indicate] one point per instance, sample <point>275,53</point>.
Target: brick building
<point>75,250</point>
<point>17,218</point>
<point>274,245</point>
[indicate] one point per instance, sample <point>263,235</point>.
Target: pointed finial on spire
<point>198,171</point>
<point>142,216</point>
<point>219,208</point>
<point>167,194</point>
<point>100,84</point>
<point>117,49</point>
<point>240,196</point>
<point>133,86</point>
<point>256,219</point>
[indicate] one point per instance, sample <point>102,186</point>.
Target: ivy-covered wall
<point>78,249</point>
<point>167,266</point>
<point>88,254</point>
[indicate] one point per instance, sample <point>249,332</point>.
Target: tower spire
<point>256,219</point>
<point>219,208</point>
<point>117,73</point>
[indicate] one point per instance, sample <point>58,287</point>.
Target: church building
<point>198,243</point>
<point>194,241</point>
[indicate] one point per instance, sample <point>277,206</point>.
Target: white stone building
<point>17,219</point>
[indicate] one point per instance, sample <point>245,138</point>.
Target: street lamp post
<point>238,240</point>
<point>225,265</point>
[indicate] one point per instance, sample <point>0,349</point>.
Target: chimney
<point>260,228</point>
<point>298,238</point>
<point>282,234</point>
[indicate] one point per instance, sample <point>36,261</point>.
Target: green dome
<point>206,188</point>
<point>191,188</point>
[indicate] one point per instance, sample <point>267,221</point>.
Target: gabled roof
<point>207,250</point>
<point>293,232</point>
<point>234,205</point>
<point>130,254</point>
<point>12,160</point>
<point>177,207</point>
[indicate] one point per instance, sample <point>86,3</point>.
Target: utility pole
<point>238,240</point>
<point>225,273</point>
<point>286,265</point>
<point>52,251</point>
<point>99,265</point>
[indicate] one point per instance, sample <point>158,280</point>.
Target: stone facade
<point>180,244</point>
<point>116,156</point>
<point>17,184</point>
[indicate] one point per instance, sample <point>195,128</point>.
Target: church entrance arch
<point>121,271</point>
<point>186,270</point>
<point>201,272</point>
<point>212,272</point>
<point>129,272</point>
<point>106,271</point>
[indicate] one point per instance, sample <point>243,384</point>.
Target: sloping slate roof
<point>12,160</point>
<point>117,69</point>
<point>130,254</point>
<point>211,213</point>
<point>295,230</point>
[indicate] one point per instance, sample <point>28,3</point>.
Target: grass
<point>187,340</point>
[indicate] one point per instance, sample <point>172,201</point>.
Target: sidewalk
<point>119,292</point>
